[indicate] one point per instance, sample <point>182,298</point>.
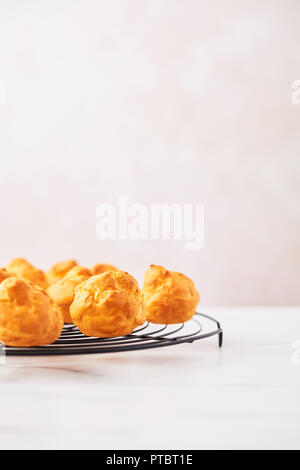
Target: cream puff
<point>108,305</point>
<point>28,316</point>
<point>169,296</point>
<point>62,292</point>
<point>21,268</point>
<point>59,270</point>
<point>103,268</point>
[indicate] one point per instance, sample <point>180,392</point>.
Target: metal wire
<point>72,341</point>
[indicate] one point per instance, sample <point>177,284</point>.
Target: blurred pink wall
<point>163,101</point>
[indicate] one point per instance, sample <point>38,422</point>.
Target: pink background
<point>163,101</point>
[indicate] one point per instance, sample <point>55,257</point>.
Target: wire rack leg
<point>220,339</point>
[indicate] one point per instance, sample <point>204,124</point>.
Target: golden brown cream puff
<point>3,274</point>
<point>59,270</point>
<point>62,292</point>
<point>169,297</point>
<point>103,268</point>
<point>21,268</point>
<point>108,305</point>
<point>28,317</point>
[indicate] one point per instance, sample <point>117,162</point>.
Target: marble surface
<point>193,396</point>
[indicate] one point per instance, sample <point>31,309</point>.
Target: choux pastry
<point>21,268</point>
<point>169,297</point>
<point>3,274</point>
<point>108,305</point>
<point>59,270</point>
<point>62,292</point>
<point>28,316</point>
<point>103,268</point>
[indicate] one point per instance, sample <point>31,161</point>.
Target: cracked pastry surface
<point>21,268</point>
<point>62,292</point>
<point>108,305</point>
<point>103,268</point>
<point>3,274</point>
<point>59,270</point>
<point>28,317</point>
<point>170,297</point>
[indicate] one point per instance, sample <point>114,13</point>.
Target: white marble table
<point>191,396</point>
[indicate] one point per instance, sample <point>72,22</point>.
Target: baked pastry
<point>23,269</point>
<point>59,270</point>
<point>169,297</point>
<point>28,316</point>
<point>103,268</point>
<point>3,274</point>
<point>62,292</point>
<point>108,305</point>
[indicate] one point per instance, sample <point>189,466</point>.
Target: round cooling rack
<point>148,336</point>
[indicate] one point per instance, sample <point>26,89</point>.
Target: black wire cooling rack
<point>148,336</point>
